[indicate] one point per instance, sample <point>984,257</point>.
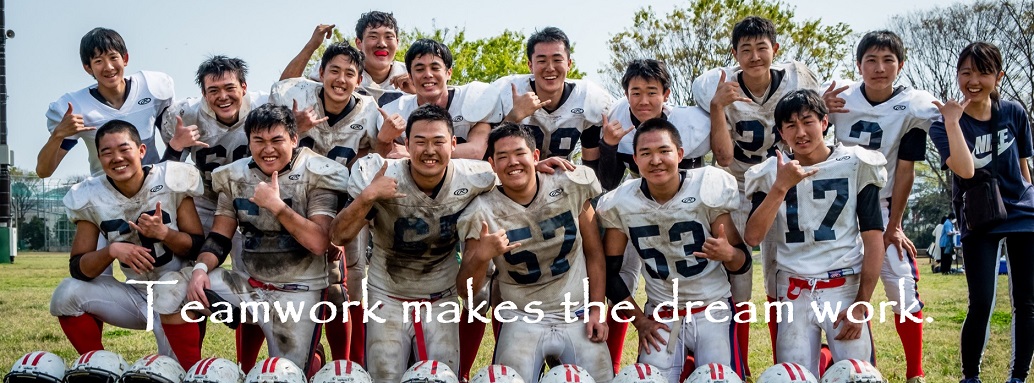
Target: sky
<point>175,36</point>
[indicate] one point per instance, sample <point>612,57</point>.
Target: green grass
<point>26,286</point>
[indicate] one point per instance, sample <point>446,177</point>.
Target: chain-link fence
<point>39,213</point>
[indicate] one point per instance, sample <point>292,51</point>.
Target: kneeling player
<point>552,219</point>
<point>147,216</point>
<point>818,205</point>
<point>284,220</point>
<point>678,222</point>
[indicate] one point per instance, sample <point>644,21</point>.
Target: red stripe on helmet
<point>151,358</point>
<point>434,368</point>
<point>491,374</point>
<point>37,358</point>
<point>721,371</point>
<point>639,369</point>
<point>789,371</point>
<point>800,371</point>
<point>857,367</point>
<point>204,367</point>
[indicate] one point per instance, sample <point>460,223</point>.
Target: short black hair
<point>882,39</point>
<point>509,129</point>
<point>548,35</point>
<point>427,46</point>
<point>117,126</point>
<point>753,27</point>
<point>429,112</point>
<point>333,50</point>
<point>219,65</point>
<point>797,102</point>
<point>647,69</point>
<point>659,124</point>
<point>100,41</point>
<point>375,19</point>
<point>269,116</point>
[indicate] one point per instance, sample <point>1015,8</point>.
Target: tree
<point>697,37</point>
<point>25,187</point>
<point>34,233</point>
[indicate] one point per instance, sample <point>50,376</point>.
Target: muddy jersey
<point>693,123</point>
<point>468,105</point>
<point>752,124</point>
<point>341,141</point>
<point>415,237</point>
<point>550,261</point>
<point>97,201</point>
<point>309,186</point>
<point>582,107</point>
<point>149,94</point>
<point>666,235</point>
<point>882,127</point>
<point>816,228</point>
<point>225,143</point>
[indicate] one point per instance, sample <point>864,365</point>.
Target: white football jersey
<point>468,105</point>
<point>550,261</point>
<point>309,186</point>
<point>225,143</point>
<point>881,127</point>
<point>342,141</point>
<point>692,122</point>
<point>816,228</point>
<point>150,93</point>
<point>752,125</point>
<point>666,235</point>
<point>97,201</point>
<point>415,237</point>
<point>384,92</point>
<point>557,133</point>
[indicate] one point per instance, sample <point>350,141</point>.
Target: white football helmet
<point>567,373</point>
<point>96,367</point>
<point>787,373</point>
<point>154,369</point>
<point>714,373</point>
<point>342,371</point>
<point>640,373</point>
<point>852,371</point>
<point>37,366</point>
<point>497,373</point>
<point>429,371</point>
<point>275,370</point>
<point>214,370</point>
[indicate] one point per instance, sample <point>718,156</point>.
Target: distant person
<point>947,243</point>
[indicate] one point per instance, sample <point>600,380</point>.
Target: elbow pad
<point>75,270</point>
<point>748,260</point>
<point>217,244</point>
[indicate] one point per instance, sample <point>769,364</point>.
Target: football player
<point>678,222</point>
<point>894,120</point>
<point>820,207</point>
<point>146,215</point>
<point>412,206</point>
<point>282,200</point>
<point>743,133</point>
<point>138,99</point>
<point>430,67</point>
<point>516,226</point>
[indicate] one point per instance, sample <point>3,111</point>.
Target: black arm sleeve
<point>591,137</point>
<point>172,154</point>
<point>869,215</point>
<point>73,268</point>
<point>913,146</point>
<point>616,290</point>
<point>197,241</point>
<point>748,260</point>
<point>755,202</point>
<point>611,169</point>
<point>217,244</point>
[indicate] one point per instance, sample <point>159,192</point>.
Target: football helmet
<point>787,373</point>
<point>714,373</point>
<point>429,371</point>
<point>96,367</point>
<point>567,373</point>
<point>497,373</point>
<point>640,373</point>
<point>214,370</point>
<point>275,370</point>
<point>154,369</point>
<point>37,366</point>
<point>852,371</point>
<point>342,371</point>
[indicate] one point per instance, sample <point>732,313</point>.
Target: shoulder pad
<point>479,103</point>
<point>286,92</point>
<point>597,101</point>
<point>159,84</point>
<point>760,177</point>
<point>501,87</point>
<point>582,175</point>
<point>363,172</point>
<point>694,125</point>
<point>871,168</point>
<point>478,173</point>
<point>718,188</point>
<point>186,109</point>
<point>330,174</point>
<point>223,175</point>
<point>706,84</point>
<point>78,196</point>
<point>257,99</point>
<point>869,157</point>
<point>806,78</point>
<point>402,105</point>
<point>921,105</point>
<point>183,178</point>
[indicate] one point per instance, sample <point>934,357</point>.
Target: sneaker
<point>916,379</point>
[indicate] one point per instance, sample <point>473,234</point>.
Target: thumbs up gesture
<point>393,127</point>
<point>71,124</point>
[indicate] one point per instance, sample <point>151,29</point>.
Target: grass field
<point>26,286</point>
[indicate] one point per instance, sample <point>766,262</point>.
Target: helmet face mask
<point>37,367</point>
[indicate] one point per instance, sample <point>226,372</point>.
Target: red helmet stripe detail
<point>151,359</point>
<point>721,371</point>
<point>639,369</point>
<point>86,357</point>
<point>491,374</point>
<point>206,365</point>
<point>789,371</point>
<point>37,358</point>
<point>348,367</point>
<point>434,368</point>
<point>800,371</point>
<point>714,371</point>
<point>857,367</point>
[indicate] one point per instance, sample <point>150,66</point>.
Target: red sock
<point>84,332</point>
<point>616,341</point>
<point>249,343</point>
<point>185,339</point>
<point>825,359</point>
<point>316,361</point>
<point>688,367</point>
<point>743,339</point>
<point>471,334</point>
<point>911,334</point>
<point>357,347</point>
<point>338,337</point>
<point>773,326</point>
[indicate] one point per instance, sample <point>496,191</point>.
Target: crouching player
<point>147,216</point>
<point>678,222</point>
<point>555,246</point>
<point>282,199</point>
<point>823,209</point>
